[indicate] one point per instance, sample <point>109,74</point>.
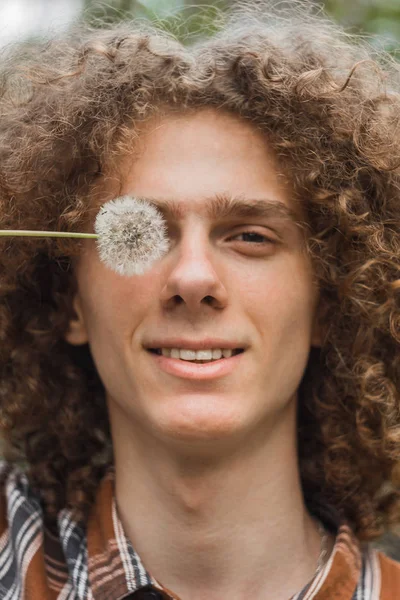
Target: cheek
<point>281,301</point>
<point>113,305</point>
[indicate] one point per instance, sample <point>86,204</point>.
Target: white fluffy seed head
<point>132,235</point>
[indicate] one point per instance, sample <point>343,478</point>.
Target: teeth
<point>212,354</point>
<point>187,354</point>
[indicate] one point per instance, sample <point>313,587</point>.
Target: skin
<point>209,467</point>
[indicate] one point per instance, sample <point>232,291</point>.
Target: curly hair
<point>329,105</point>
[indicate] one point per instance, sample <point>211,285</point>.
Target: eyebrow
<point>223,206</point>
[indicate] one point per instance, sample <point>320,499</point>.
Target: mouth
<point>234,352</point>
<point>191,365</point>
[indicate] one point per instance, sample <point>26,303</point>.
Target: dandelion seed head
<point>132,235</point>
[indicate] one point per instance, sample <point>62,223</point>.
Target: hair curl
<point>329,104</point>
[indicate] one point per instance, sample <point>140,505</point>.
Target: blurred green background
<point>30,18</point>
<point>379,18</point>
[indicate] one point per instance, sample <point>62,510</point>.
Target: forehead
<point>208,162</point>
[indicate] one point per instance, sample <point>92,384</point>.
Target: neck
<point>221,527</point>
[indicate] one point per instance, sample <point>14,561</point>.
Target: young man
<point>262,465</point>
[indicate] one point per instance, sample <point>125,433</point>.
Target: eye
<point>255,238</point>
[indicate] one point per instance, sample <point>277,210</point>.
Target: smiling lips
<point>201,370</point>
<point>190,359</point>
<point>197,356</point>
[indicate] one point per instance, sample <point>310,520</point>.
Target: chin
<point>201,425</point>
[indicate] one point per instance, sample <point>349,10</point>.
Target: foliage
<point>180,17</point>
<point>379,19</point>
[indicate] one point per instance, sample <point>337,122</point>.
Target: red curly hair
<point>330,107</point>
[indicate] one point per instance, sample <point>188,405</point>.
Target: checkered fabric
<point>98,562</point>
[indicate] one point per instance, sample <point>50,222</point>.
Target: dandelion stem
<point>54,234</point>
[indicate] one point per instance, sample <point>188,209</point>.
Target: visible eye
<point>255,237</point>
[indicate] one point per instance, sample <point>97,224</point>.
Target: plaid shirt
<point>98,562</point>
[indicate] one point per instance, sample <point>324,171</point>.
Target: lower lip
<point>200,371</point>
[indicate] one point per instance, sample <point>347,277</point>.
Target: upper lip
<point>207,343</point>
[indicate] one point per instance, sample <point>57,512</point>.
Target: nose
<point>193,280</point>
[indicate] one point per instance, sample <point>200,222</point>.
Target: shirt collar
<point>103,563</point>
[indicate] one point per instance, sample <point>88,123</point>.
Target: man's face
<point>215,283</point>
